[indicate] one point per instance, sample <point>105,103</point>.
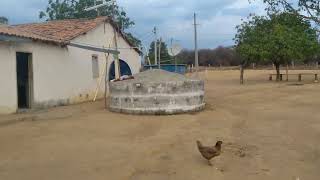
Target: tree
<point>3,20</point>
<point>74,9</point>
<point>292,39</point>
<point>277,38</point>
<point>249,42</point>
<point>307,9</point>
<point>186,57</point>
<point>220,56</point>
<point>163,54</point>
<point>224,57</point>
<point>135,41</point>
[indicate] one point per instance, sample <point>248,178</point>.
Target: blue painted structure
<point>180,68</point>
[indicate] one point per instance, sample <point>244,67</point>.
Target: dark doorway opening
<point>124,69</point>
<point>24,80</point>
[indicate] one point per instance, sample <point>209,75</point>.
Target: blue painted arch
<point>124,69</point>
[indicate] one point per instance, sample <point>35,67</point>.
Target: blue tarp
<point>180,68</point>
<point>124,69</point>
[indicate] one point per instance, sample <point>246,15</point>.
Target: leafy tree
<point>277,38</point>
<point>3,20</point>
<point>307,9</point>
<point>186,57</point>
<point>163,54</point>
<point>74,9</point>
<point>249,42</point>
<point>224,57</point>
<point>136,42</point>
<point>221,56</point>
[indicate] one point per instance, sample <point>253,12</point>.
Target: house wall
<point>8,82</point>
<point>61,76</point>
<point>103,36</point>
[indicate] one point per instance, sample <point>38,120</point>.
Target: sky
<point>217,19</point>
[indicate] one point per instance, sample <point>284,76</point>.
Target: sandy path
<point>271,131</point>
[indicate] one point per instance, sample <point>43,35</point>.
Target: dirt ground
<point>270,131</point>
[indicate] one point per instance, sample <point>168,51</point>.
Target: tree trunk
<point>287,72</point>
<point>241,73</point>
<point>278,71</point>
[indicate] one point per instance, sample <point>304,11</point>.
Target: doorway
<point>24,80</point>
<point>124,69</point>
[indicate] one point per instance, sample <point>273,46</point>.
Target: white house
<point>44,64</point>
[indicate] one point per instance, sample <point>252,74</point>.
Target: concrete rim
<point>158,111</point>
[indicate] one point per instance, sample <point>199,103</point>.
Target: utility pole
<point>155,45</point>
<point>116,57</point>
<point>160,43</point>
<point>196,43</point>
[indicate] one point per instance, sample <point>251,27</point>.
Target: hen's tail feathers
<point>199,144</point>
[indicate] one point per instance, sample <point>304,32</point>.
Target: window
<point>95,67</point>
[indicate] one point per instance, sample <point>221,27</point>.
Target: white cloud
<point>218,18</point>
<point>174,19</point>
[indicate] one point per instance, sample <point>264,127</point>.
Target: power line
<point>142,36</point>
<point>147,37</point>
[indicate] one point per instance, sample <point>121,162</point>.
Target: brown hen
<point>210,152</point>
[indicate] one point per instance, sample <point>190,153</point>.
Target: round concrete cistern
<point>157,92</point>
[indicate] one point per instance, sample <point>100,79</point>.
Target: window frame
<point>95,66</point>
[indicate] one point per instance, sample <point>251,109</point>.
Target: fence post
<point>300,77</point>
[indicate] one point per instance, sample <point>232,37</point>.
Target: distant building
<point>41,65</point>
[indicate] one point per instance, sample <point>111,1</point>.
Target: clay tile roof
<point>12,31</point>
<point>59,32</point>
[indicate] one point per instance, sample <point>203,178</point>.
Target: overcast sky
<point>174,18</point>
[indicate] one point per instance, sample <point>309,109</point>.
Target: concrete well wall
<point>157,97</point>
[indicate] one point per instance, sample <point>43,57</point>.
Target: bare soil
<point>270,131</point>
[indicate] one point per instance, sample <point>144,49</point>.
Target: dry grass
<point>271,131</point>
